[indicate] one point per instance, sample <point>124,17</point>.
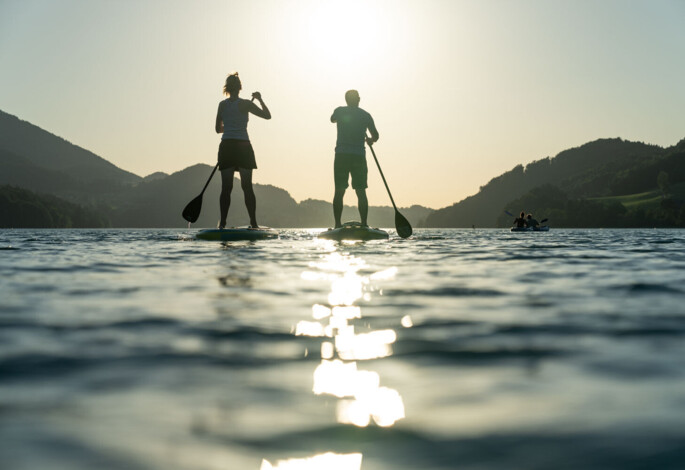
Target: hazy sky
<point>460,90</point>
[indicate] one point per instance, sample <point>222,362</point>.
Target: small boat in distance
<point>542,228</point>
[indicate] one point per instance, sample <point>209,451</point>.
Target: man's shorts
<point>235,153</point>
<point>346,164</point>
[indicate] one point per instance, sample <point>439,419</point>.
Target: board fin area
<point>237,234</point>
<point>354,231</point>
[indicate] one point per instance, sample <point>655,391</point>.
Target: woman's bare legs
<point>250,198</point>
<point>225,197</point>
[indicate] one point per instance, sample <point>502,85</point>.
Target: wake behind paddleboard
<point>354,231</point>
<point>236,234</point>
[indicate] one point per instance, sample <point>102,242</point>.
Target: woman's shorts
<point>234,153</point>
<point>347,164</point>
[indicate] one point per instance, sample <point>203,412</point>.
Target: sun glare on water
<point>328,461</point>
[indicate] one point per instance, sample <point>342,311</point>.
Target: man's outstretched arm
<point>373,131</point>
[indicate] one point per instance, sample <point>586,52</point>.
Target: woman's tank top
<point>235,121</point>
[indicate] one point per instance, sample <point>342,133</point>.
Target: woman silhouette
<point>235,150</point>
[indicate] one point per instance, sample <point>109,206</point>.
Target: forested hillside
<point>612,182</point>
<point>48,151</point>
<point>34,159</point>
<point>606,167</point>
<point>21,208</point>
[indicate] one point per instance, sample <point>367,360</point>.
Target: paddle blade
<point>192,210</point>
<point>402,225</point>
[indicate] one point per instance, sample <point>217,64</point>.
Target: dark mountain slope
<point>21,208</point>
<point>159,202</point>
<point>50,152</point>
<point>584,171</point>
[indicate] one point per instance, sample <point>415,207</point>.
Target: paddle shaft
<point>209,179</point>
<point>383,176</point>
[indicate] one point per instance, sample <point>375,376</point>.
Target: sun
<point>340,35</point>
<point>344,28</point>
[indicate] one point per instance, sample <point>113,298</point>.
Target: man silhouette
<point>350,154</point>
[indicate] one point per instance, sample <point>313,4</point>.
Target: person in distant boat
<point>531,222</point>
<point>350,154</point>
<point>235,150</point>
<point>520,221</point>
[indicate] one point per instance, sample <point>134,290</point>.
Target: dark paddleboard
<point>236,234</point>
<point>544,228</point>
<point>354,231</point>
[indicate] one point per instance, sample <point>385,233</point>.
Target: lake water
<point>455,349</point>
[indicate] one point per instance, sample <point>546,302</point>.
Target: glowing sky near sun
<point>460,90</point>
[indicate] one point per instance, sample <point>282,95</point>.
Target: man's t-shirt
<point>352,124</point>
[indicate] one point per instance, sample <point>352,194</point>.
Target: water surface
<point>455,349</point>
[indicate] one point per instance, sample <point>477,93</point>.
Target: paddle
<point>402,225</point>
<point>192,210</point>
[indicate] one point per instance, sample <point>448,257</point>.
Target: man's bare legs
<point>362,205</point>
<point>338,205</point>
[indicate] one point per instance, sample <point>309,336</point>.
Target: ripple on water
<point>448,291</point>
<point>511,345</point>
<point>644,288</point>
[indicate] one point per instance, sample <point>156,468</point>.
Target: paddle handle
<point>383,176</point>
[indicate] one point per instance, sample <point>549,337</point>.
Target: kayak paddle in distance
<point>193,208</point>
<point>402,225</point>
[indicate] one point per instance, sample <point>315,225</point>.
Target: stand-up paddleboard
<point>236,234</point>
<point>544,228</point>
<point>354,231</point>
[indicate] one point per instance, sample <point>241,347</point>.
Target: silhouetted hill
<point>50,152</point>
<point>35,159</point>
<point>552,203</point>
<point>643,176</point>
<point>157,175</point>
<point>598,168</point>
<point>21,208</point>
<point>642,192</point>
<point>158,203</point>
<point>20,171</point>
<point>42,162</point>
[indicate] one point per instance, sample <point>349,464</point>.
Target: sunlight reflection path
<point>363,399</point>
<point>328,461</point>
